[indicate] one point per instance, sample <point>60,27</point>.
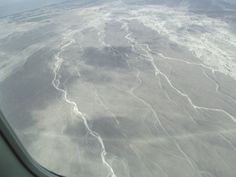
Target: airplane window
<point>122,88</point>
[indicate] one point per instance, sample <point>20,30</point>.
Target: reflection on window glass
<point>122,88</point>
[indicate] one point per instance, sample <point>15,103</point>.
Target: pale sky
<point>8,7</point>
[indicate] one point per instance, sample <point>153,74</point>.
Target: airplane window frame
<point>20,152</point>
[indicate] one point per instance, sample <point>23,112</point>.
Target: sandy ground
<point>122,90</point>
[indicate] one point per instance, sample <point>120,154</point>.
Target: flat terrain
<point>122,90</point>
